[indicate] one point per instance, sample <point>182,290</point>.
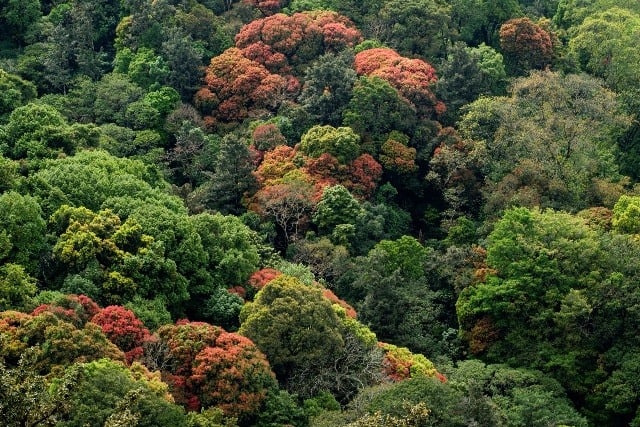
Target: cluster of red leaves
<point>483,334</point>
<point>124,329</point>
<point>364,174</point>
<point>528,44</point>
<point>76,309</point>
<point>233,375</point>
<point>360,177</point>
<point>236,85</point>
<point>298,38</point>
<point>395,368</point>
<point>260,278</point>
<point>328,294</point>
<point>412,78</point>
<point>212,367</point>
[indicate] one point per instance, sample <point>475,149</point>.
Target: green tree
<point>548,144</point>
<point>16,287</point>
<point>113,94</point>
<point>18,19</point>
<point>478,21</point>
<point>14,92</point>
<point>294,326</point>
<point>327,87</point>
<point>37,131</point>
<point>342,143</point>
<point>336,206</point>
<point>24,228</point>
<point>416,27</point>
<point>231,179</point>
<point>376,108</point>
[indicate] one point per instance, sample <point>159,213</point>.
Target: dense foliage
<point>319,213</point>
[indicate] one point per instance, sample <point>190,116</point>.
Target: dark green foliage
<point>280,409</point>
<point>23,228</point>
<point>14,92</point>
<point>231,179</point>
<point>327,87</point>
<point>376,109</point>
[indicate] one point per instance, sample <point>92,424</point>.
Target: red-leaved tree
<point>525,45</point>
<point>208,366</point>
<point>124,329</point>
<point>235,86</point>
<point>300,38</point>
<point>412,78</point>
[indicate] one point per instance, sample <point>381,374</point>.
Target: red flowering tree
<point>363,176</point>
<point>76,309</point>
<point>211,367</point>
<point>124,329</point>
<point>260,278</point>
<point>234,375</point>
<point>299,38</point>
<point>525,45</point>
<point>412,78</point>
<point>236,85</point>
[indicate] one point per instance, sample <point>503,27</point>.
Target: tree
<point>288,204</point>
<point>376,108</point>
<point>108,390</point>
<point>18,19</point>
<point>114,93</point>
<point>36,131</point>
<point>556,139</point>
<point>15,92</point>
<point>92,177</point>
<point>293,325</point>
<point>336,206</point>
<point>24,228</point>
<point>124,329</point>
<point>130,263</point>
<point>234,376</point>
<point>211,367</point>
<point>416,27</point>
<point>29,399</point>
<point>237,86</point>
<point>294,41</point>
<point>466,74</point>
<point>413,78</point>
<point>232,177</point>
<point>342,143</point>
<point>526,45</point>
<point>478,21</point>
<point>327,87</point>
<point>183,60</point>
<point>16,287</point>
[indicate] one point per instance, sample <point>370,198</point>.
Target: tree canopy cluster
<point>234,213</point>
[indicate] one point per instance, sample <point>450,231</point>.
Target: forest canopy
<point>219,213</point>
